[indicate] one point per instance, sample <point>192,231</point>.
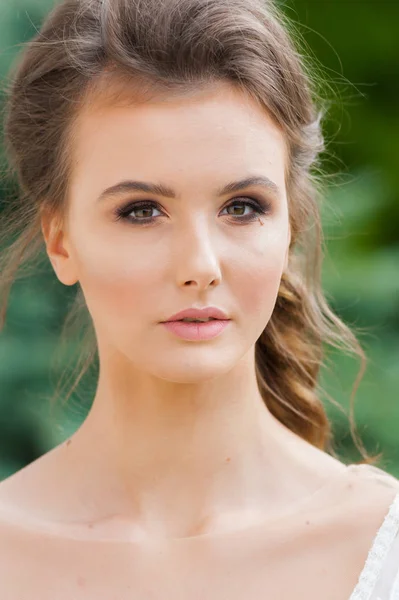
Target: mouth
<point>198,322</point>
<point>197,330</point>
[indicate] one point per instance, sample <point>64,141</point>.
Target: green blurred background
<point>356,44</point>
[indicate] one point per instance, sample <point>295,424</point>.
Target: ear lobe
<point>57,249</point>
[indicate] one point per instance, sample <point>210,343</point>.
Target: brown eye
<point>146,209</point>
<point>124,213</point>
<point>257,209</point>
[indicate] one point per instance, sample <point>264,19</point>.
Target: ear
<point>58,248</point>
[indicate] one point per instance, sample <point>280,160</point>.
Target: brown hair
<point>167,46</point>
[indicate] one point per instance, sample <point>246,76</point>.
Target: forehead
<point>213,125</point>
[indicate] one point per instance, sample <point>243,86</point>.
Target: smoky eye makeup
<point>245,209</point>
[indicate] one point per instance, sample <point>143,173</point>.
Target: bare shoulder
<point>370,495</point>
<point>16,492</point>
<point>31,492</point>
<point>13,563</point>
<point>24,548</point>
<point>368,478</point>
<point>21,495</point>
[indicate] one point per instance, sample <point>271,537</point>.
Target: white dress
<point>379,579</point>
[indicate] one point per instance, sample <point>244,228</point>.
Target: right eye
<point>124,213</point>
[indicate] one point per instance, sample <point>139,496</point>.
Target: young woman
<point>165,152</point>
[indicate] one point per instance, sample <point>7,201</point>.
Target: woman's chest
<point>308,564</point>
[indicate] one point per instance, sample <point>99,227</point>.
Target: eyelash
<point>123,213</point>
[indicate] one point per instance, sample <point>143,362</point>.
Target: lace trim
<point>378,553</point>
<point>395,589</point>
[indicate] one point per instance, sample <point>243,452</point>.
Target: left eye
<point>243,205</point>
<point>124,213</point>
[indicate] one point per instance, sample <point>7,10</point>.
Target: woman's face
<point>201,247</point>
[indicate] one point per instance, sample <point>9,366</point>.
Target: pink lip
<point>199,313</point>
<point>196,331</point>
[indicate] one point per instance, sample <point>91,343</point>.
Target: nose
<point>198,261</point>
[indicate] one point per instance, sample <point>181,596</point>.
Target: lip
<point>196,331</point>
<point>199,313</point>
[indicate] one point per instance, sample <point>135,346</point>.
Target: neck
<point>183,459</point>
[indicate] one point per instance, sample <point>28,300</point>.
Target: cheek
<point>260,290</point>
<point>258,284</point>
<point>118,282</point>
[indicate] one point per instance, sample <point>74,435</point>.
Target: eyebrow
<point>163,190</point>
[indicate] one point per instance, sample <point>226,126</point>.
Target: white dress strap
<point>377,555</point>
